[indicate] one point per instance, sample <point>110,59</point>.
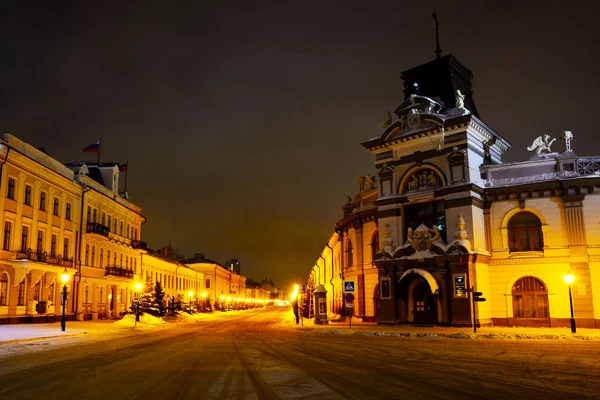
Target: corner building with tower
<point>443,216</point>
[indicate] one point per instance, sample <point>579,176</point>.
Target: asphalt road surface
<point>252,356</point>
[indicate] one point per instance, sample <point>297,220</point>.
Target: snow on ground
<point>145,319</point>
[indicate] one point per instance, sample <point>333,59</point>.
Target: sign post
<point>350,305</point>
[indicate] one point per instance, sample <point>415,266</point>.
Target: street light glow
<point>204,294</point>
<point>569,278</point>
<point>138,286</point>
<point>65,276</point>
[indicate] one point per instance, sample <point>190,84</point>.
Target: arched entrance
<point>418,297</point>
<point>530,303</point>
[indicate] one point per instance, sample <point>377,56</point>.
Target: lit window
<point>525,232</point>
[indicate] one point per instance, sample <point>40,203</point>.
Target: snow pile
<point>145,319</point>
<point>185,317</point>
<point>459,335</point>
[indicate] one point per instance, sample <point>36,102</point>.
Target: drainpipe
<point>318,274</point>
<point>331,279</point>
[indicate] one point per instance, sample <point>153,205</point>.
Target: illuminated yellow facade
<point>73,218</point>
<point>218,280</point>
<point>40,216</point>
<point>111,249</point>
<point>176,278</point>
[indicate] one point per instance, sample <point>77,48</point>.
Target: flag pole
<point>99,143</point>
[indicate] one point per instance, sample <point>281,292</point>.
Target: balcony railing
<point>44,257</point>
<point>95,227</point>
<point>118,271</point>
<point>138,244</point>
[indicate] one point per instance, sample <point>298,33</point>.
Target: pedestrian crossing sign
<point>349,287</point>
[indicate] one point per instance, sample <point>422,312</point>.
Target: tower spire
<point>438,50</point>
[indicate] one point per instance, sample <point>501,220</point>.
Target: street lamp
<point>569,278</point>
<point>65,278</point>
<point>190,294</point>
<point>138,287</point>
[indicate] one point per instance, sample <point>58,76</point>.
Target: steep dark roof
<point>439,79</point>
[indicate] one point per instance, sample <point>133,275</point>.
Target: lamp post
<point>190,294</point>
<point>569,278</point>
<point>65,278</point>
<point>138,287</point>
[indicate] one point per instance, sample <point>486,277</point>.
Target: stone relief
<point>422,179</point>
<point>425,242</point>
<point>422,237</point>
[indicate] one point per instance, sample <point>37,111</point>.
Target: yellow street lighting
<point>65,278</point>
<point>204,294</point>
<point>569,278</point>
<point>138,287</point>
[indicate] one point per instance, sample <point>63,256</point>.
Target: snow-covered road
<point>253,355</point>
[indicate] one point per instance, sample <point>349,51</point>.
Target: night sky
<point>242,121</point>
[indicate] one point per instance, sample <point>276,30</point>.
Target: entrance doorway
<point>424,304</point>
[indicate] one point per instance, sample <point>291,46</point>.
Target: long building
<point>71,220</point>
<point>442,217</point>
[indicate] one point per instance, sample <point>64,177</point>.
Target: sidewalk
<point>19,332</point>
<point>371,328</point>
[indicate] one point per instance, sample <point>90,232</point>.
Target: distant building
<point>219,281</point>
<point>441,215</point>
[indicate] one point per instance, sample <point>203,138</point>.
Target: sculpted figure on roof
<point>540,144</point>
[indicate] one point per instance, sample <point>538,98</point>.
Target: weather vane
<point>438,51</point>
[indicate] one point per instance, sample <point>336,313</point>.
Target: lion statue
<point>541,143</point>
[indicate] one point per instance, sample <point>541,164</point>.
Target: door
<point>424,307</point>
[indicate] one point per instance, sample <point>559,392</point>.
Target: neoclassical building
<point>443,216</point>
<point>72,219</point>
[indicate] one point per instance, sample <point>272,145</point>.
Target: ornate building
<point>446,217</point>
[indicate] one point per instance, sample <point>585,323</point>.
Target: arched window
<point>350,254</point>
<point>530,298</point>
<point>374,245</point>
<point>525,233</point>
<point>3,290</point>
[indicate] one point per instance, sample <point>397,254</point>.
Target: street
<point>251,355</point>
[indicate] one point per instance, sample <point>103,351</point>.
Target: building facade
<point>443,217</point>
<point>71,218</point>
<point>40,217</point>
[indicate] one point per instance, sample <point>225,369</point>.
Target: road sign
<point>349,305</point>
<point>477,296</point>
<point>349,286</point>
<point>349,298</point>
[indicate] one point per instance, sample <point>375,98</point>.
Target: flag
<point>123,168</point>
<point>93,148</point>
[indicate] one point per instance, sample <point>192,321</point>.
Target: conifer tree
<point>159,299</point>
